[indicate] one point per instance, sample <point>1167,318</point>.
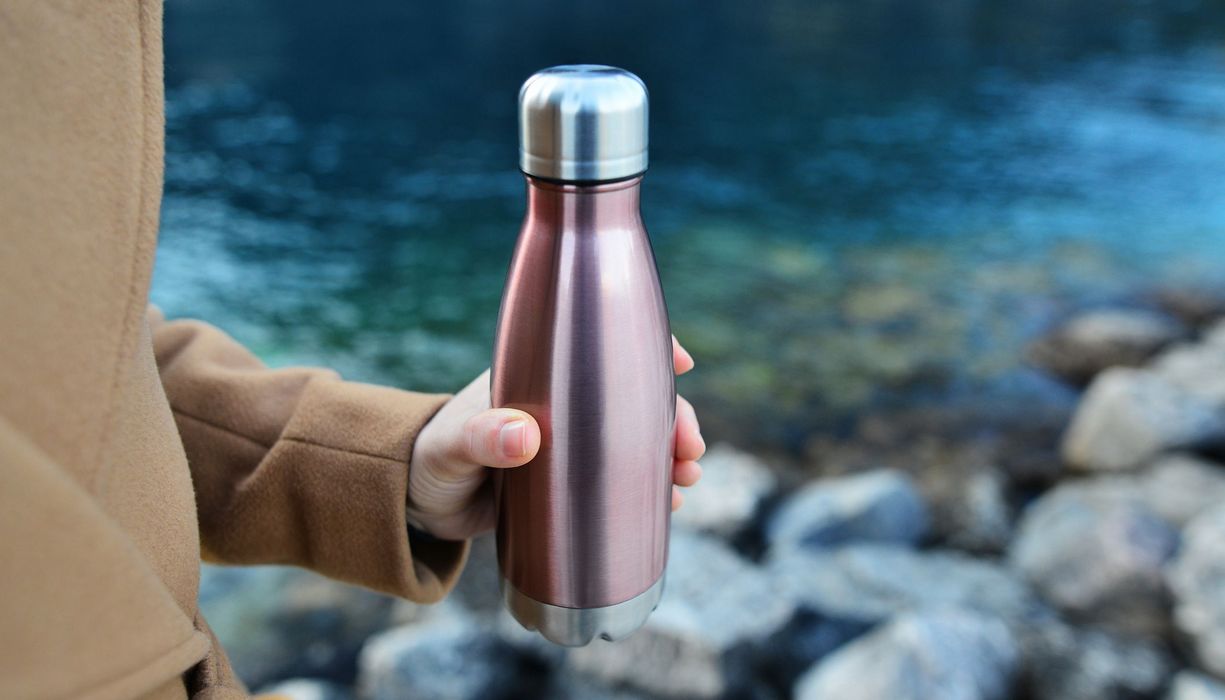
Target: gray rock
<point>278,622</point>
<point>1097,554</point>
<point>717,612</point>
<point>1179,487</point>
<point>1095,340</point>
<point>1189,685</point>
<point>869,583</point>
<point>448,657</point>
<point>949,654</point>
<point>1062,662</point>
<point>1197,581</point>
<point>1194,304</point>
<point>1214,335</point>
<point>1176,487</point>
<point>1129,416</point>
<point>880,506</point>
<point>307,689</point>
<point>734,484</point>
<point>1197,369</point>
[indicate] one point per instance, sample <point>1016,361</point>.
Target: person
<point>133,446</point>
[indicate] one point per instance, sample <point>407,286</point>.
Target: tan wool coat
<point>131,447</point>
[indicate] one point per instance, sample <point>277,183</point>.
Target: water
<point>856,206</point>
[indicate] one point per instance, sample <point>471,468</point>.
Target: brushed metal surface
<point>576,627</point>
<point>583,123</point>
<point>583,344</point>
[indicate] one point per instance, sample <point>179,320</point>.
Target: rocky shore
<point>1089,569</point>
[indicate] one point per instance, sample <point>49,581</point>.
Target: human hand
<point>449,493</point>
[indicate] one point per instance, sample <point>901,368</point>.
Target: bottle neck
<point>583,206</point>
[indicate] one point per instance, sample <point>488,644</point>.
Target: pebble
<point>949,654</point>
<point>1197,369</point>
<point>1197,581</point>
<point>1189,685</point>
<point>870,583</point>
<point>1127,417</point>
<point>1196,305</point>
<point>1092,341</point>
<point>733,487</point>
<point>717,613</point>
<point>1179,487</point>
<point>881,506</point>
<point>447,657</point>
<point>1096,553</point>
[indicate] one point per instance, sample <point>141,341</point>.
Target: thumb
<point>500,437</point>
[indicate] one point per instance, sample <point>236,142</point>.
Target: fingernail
<point>514,438</point>
<point>687,356</point>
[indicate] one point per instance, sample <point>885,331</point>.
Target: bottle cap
<point>583,123</point>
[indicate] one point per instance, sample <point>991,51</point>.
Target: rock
<point>881,505</point>
<point>278,622</point>
<point>869,583</point>
<point>734,484</point>
<point>1129,416</point>
<point>934,654</point>
<point>1196,369</point>
<point>1092,341</point>
<point>1189,685</point>
<point>808,638</point>
<point>1097,554</point>
<point>1195,305</point>
<point>307,689</point>
<point>1214,335</point>
<point>568,685</point>
<point>844,592</point>
<point>718,610</point>
<point>448,657</point>
<point>1062,662</point>
<point>1179,487</point>
<point>1176,487</point>
<point>1197,581</point>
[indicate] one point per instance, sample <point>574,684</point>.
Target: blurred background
<point>899,237</point>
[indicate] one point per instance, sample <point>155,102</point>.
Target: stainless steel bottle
<point>583,345</point>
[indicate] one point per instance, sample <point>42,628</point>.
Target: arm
<point>295,466</point>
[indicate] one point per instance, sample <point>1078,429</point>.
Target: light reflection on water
<point>839,227</point>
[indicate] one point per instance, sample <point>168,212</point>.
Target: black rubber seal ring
<point>582,183</point>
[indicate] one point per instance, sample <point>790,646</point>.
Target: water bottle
<point>583,345</point>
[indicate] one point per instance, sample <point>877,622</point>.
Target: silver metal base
<point>576,627</point>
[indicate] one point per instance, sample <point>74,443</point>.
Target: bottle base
<point>576,627</point>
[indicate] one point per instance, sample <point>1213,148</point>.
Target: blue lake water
<point>856,206</point>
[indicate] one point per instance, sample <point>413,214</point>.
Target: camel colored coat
<point>130,447</point>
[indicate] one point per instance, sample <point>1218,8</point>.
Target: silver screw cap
<point>583,123</point>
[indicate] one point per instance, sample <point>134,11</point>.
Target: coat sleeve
<point>296,466</point>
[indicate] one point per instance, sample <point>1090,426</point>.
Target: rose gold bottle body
<point>584,346</point>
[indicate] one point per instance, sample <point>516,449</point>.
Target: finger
<point>682,361</point>
<point>677,499</point>
<point>686,473</point>
<point>689,443</point>
<point>499,437</point>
